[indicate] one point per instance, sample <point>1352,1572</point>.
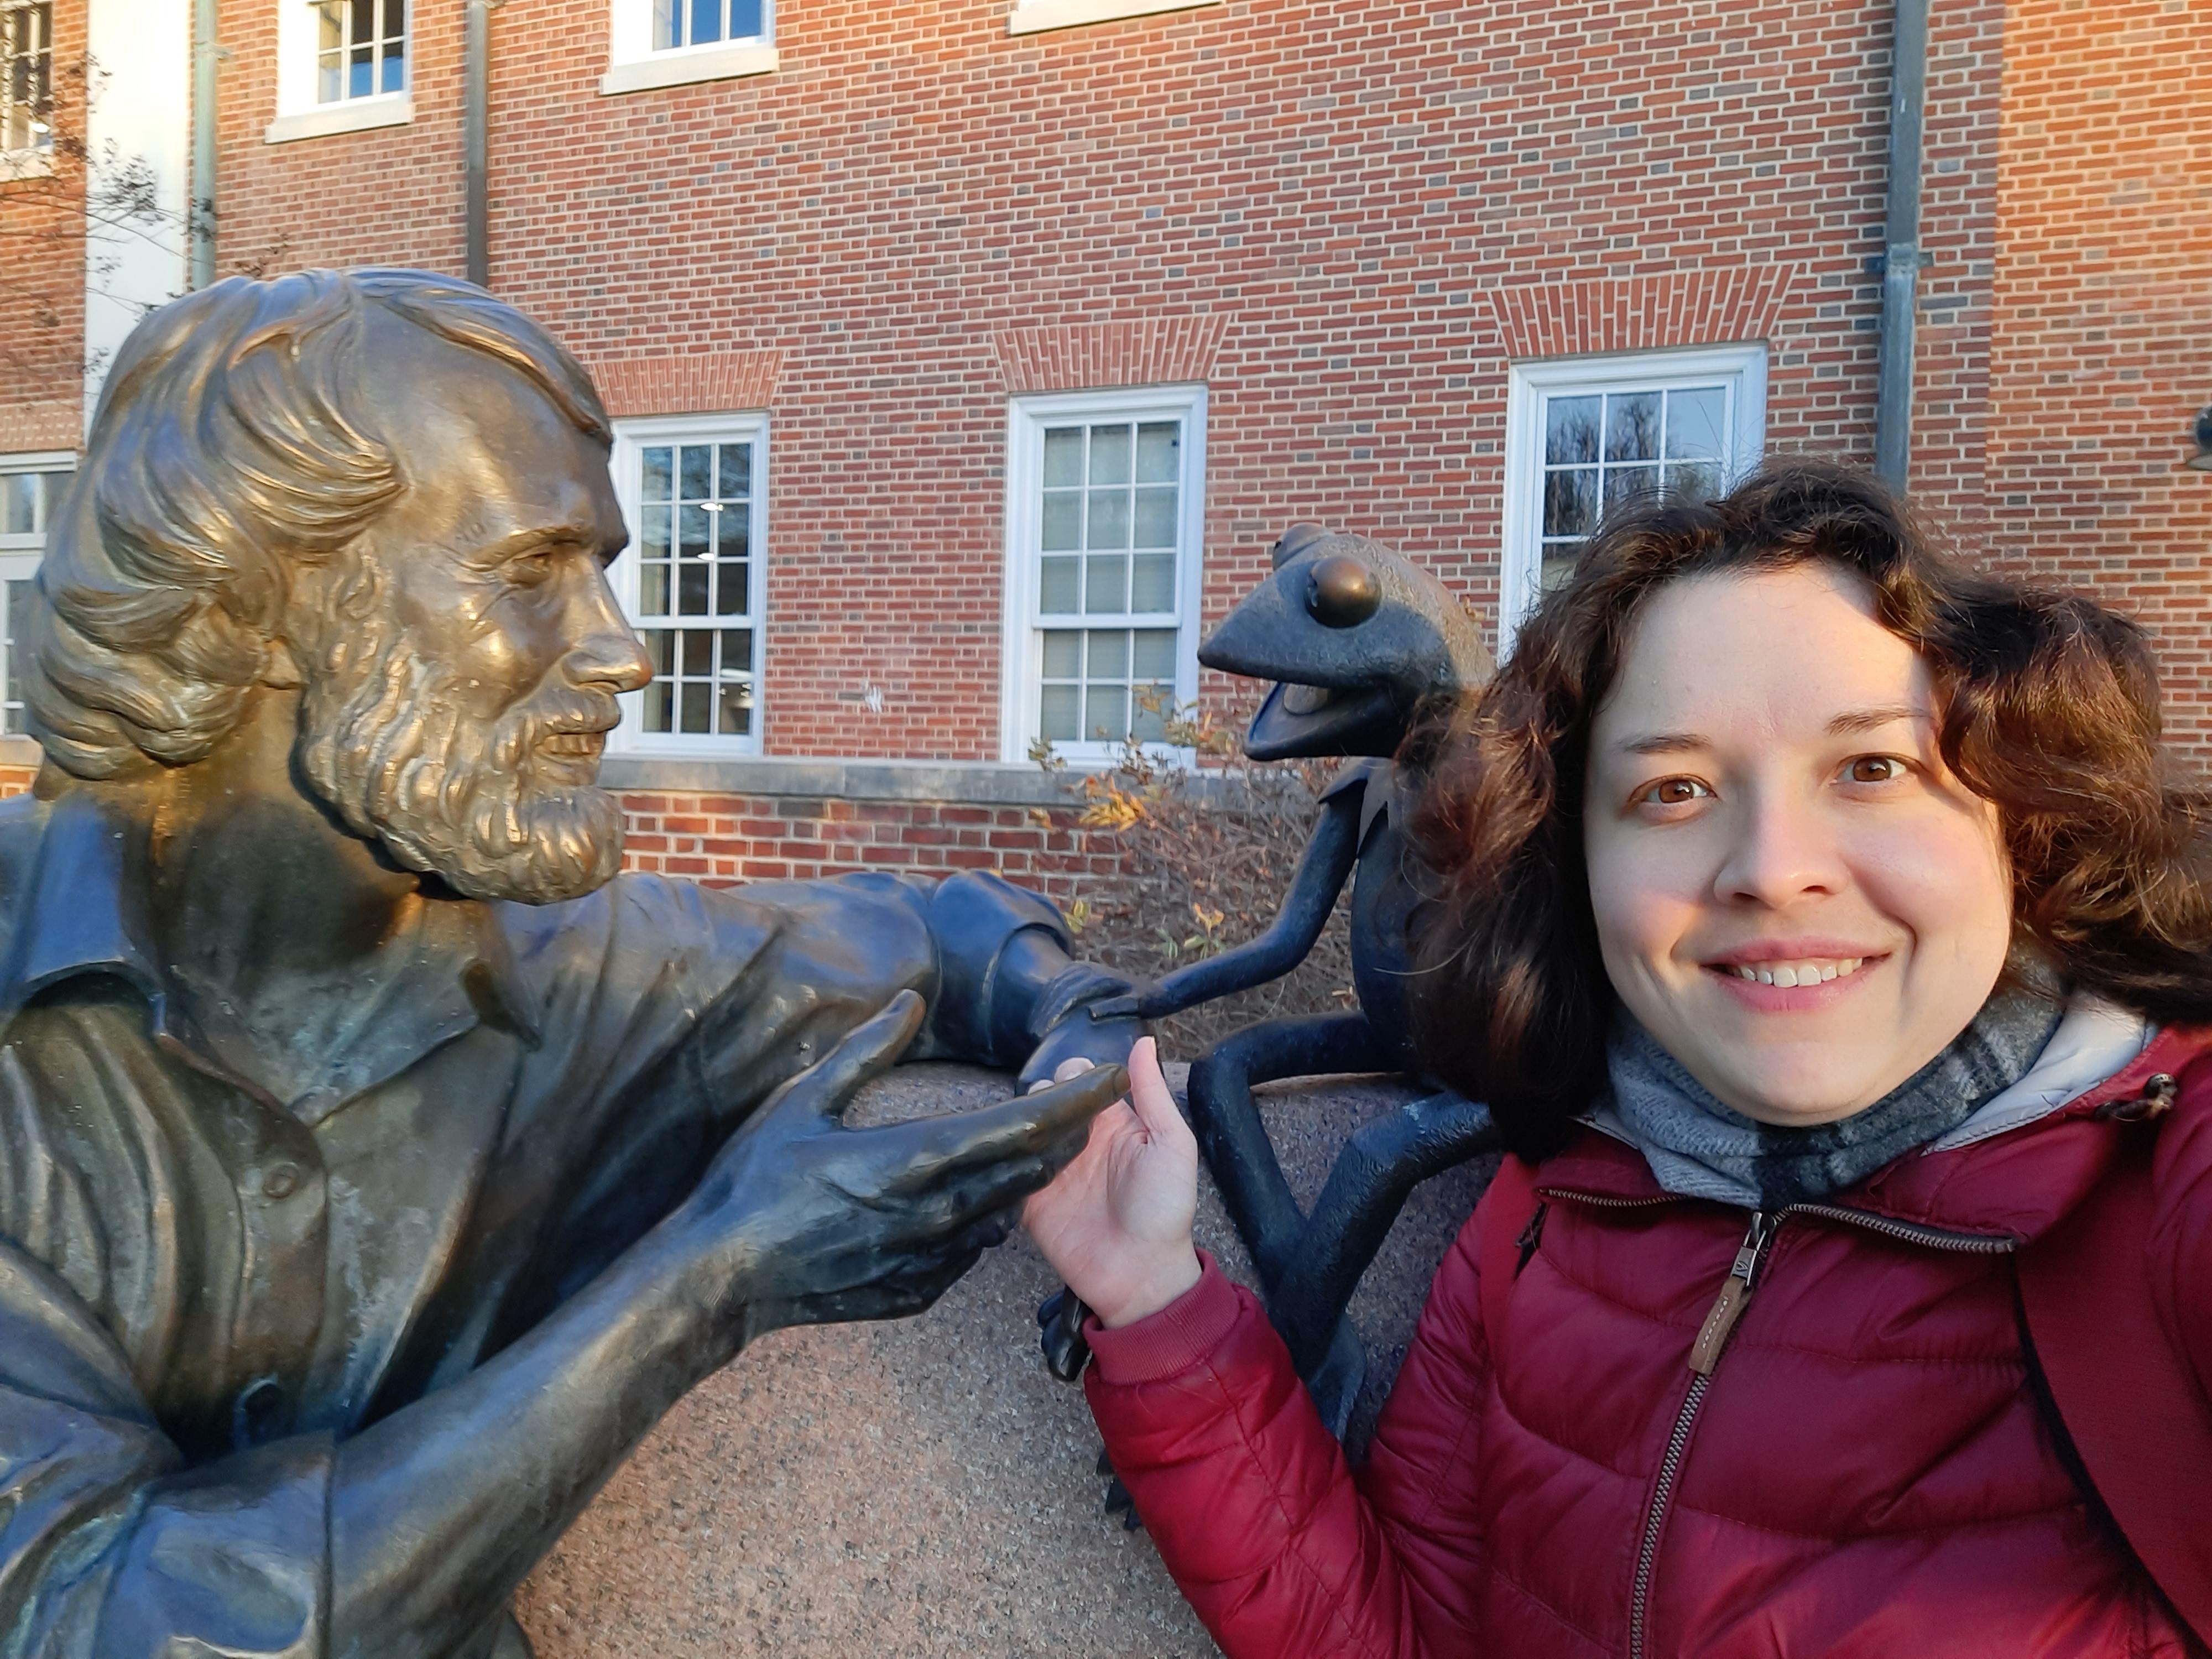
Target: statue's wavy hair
<point>228,451</point>
<point>2049,707</point>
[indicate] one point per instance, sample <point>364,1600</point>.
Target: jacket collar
<point>2014,1183</point>
<point>73,876</point>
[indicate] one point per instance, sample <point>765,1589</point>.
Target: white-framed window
<point>1105,520</point>
<point>30,490</point>
<point>360,49</point>
<point>695,491</point>
<point>1584,434</point>
<point>26,84</point>
<point>342,66</point>
<point>663,43</point>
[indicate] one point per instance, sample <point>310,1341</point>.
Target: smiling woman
<point>1824,926</point>
<point>1969,765</point>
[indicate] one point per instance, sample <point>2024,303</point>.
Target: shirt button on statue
<point>279,1182</point>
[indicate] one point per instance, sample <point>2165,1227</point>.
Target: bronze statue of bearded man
<point>377,1165</point>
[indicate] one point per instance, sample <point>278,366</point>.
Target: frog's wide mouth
<point>1297,719</point>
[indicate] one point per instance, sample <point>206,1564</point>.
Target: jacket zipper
<point>1712,1337</point>
<point>1704,1355</point>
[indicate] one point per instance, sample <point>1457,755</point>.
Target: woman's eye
<point>1673,792</point>
<point>1874,768</point>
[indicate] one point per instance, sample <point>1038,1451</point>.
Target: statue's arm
<point>405,1541</point>
<point>438,1511</point>
<point>401,1542</point>
<point>994,962</point>
<point>1328,859</point>
<point>108,1544</point>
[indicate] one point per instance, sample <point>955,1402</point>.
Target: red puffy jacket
<point>1594,1448</point>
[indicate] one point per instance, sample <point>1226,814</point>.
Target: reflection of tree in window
<point>1110,520</point>
<point>695,560</point>
<point>1602,448</point>
<point>701,22</point>
<point>360,49</point>
<point>28,502</point>
<point>28,33</point>
<point>19,594</point>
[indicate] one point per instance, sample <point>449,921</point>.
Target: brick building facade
<point>1379,264</point>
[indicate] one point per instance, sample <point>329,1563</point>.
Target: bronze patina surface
<point>377,1166</point>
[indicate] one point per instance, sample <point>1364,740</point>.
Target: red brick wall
<point>391,195</point>
<point>1326,202</point>
<point>722,839</point>
<point>2102,345</point>
<point>42,270</point>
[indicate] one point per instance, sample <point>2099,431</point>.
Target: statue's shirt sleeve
<point>667,1012</point>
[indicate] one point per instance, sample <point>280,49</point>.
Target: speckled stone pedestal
<point>924,1488</point>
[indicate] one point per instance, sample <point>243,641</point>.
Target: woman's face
<point>1792,893</point>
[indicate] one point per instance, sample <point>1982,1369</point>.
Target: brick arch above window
<point>686,383</point>
<point>1709,305</point>
<point>1094,356</point>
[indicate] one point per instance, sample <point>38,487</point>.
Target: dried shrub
<point>1208,854</point>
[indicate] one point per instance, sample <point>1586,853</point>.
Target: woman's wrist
<point>1162,1281</point>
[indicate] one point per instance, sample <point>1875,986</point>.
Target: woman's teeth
<point>1787,974</point>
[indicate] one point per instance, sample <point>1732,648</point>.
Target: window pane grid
<point>695,589</point>
<point>27,35</point>
<point>360,49</point>
<point>1101,684</point>
<point>1604,447</point>
<point>1110,520</point>
<point>1109,532</point>
<point>678,23</point>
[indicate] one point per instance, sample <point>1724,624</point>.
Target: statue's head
<point>1359,641</point>
<point>384,489</point>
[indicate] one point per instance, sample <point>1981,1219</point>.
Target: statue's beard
<point>384,739</point>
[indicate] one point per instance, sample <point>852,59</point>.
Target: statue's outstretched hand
<point>1116,1221</point>
<point>800,1220</point>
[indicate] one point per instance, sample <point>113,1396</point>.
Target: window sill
<point>970,783</point>
<point>1035,17</point>
<point>387,109</point>
<point>677,69</point>
<point>982,783</point>
<point>16,164</point>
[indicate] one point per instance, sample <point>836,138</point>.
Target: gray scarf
<point>1699,1148</point>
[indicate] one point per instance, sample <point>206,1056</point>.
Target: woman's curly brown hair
<point>2049,708</point>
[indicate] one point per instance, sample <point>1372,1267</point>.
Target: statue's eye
<point>1341,591</point>
<point>531,567</point>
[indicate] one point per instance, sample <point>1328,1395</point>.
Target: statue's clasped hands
<point>802,1221</point>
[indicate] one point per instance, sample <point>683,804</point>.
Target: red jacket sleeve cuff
<point>1179,1336</point>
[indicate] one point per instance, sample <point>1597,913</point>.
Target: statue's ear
<point>280,668</point>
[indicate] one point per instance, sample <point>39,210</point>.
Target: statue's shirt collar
<point>75,872</point>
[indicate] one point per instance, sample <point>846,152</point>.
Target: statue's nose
<point>1341,591</point>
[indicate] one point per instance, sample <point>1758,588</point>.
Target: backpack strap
<point>2135,1413</point>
